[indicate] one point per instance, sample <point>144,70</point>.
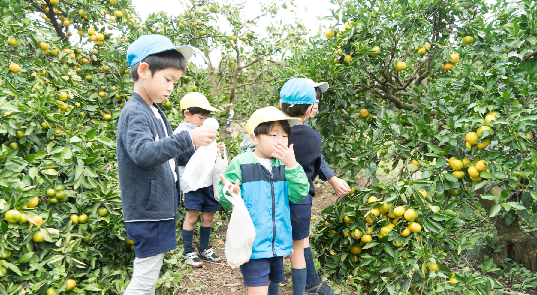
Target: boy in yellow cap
<point>268,178</point>
<point>196,108</point>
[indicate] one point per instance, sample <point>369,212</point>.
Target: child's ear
<point>143,69</point>
<point>187,114</point>
<point>252,138</point>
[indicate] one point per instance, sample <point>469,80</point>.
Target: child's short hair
<point>318,93</point>
<point>196,110</point>
<point>264,128</point>
<point>296,110</point>
<point>161,61</point>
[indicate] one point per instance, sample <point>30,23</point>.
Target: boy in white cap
<point>196,108</point>
<point>148,155</point>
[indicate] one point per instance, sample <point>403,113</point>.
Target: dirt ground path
<point>219,278</point>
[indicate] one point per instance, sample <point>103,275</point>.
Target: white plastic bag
<point>240,232</point>
<point>198,171</point>
<point>219,168</point>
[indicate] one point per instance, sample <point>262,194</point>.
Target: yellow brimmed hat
<point>196,99</point>
<point>268,114</point>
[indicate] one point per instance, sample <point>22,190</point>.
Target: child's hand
<point>202,136</point>
<point>234,188</point>
<point>285,154</point>
<point>340,186</point>
<point>220,147</point>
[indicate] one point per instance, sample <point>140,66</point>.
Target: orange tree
<point>446,97</point>
<point>63,84</point>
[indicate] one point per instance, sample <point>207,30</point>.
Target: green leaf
<point>449,177</point>
<point>32,172</point>
<point>26,257</point>
<point>495,210</point>
<point>369,245</point>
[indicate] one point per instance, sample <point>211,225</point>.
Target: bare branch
<point>249,64</point>
<point>261,81</point>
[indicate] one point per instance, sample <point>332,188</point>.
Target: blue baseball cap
<point>297,91</point>
<point>151,44</point>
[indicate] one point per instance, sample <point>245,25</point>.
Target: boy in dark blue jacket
<point>148,155</point>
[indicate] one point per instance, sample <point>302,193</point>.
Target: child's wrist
<point>291,165</point>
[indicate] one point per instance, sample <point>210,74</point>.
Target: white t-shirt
<point>267,163</point>
<point>171,161</point>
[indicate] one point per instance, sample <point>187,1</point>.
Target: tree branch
<point>529,55</point>
<point>249,64</point>
<point>50,14</point>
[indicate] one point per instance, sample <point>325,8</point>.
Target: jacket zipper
<point>273,214</point>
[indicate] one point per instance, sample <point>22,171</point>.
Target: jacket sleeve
<point>233,172</point>
<point>325,173</point>
<point>297,183</point>
<point>145,151</point>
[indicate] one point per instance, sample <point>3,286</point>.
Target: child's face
<point>266,141</point>
<point>196,119</point>
<point>160,85</point>
<point>314,110</point>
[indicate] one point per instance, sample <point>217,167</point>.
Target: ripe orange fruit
<point>107,117</point>
<point>356,234</point>
<point>51,291</point>
<point>355,249</point>
<point>400,66</point>
<point>33,202</point>
<point>14,68</point>
<point>471,138</point>
<point>102,212</point>
<point>374,51</point>
<point>83,218</point>
<point>414,227</point>
<point>375,212</point>
<point>364,113</point>
<point>38,220</point>
<point>473,172</point>
<point>397,245</point>
<point>481,165</point>
<point>481,129</point>
<point>406,232</point>
<point>74,218</point>
<point>432,266</point>
<point>455,163</point>
<point>458,174</point>
<point>38,237</point>
<point>6,255</point>
<point>447,67</point>
<point>410,214</point>
<point>399,211</point>
<point>484,144</point>
<point>454,57</point>
<point>366,239</point>
<point>71,284</point>
<point>12,216</point>
<point>452,281</point>
<point>467,40</point>
<point>421,51</point>
<point>62,96</point>
<point>369,219</point>
<point>329,34</point>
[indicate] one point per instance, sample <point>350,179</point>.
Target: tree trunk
<point>514,243</point>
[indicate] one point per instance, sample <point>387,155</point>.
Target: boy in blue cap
<point>297,98</point>
<point>148,154</point>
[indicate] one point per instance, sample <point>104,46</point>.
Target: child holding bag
<point>268,179</point>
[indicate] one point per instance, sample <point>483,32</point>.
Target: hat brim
<point>322,85</point>
<point>185,50</point>
<point>208,108</point>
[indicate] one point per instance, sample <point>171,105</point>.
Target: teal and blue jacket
<point>266,195</point>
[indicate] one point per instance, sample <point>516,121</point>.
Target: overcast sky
<point>309,12</point>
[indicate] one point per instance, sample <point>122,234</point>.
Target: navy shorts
<point>152,237</point>
<point>202,200</point>
<point>300,218</point>
<point>258,272</point>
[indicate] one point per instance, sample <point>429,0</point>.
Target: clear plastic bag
<point>240,232</point>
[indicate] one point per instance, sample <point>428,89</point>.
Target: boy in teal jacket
<point>268,179</point>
